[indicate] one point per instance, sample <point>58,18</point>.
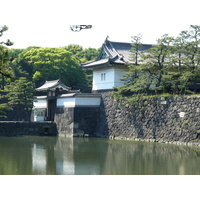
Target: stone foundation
<point>78,121</point>
<point>171,119</point>
<point>16,128</point>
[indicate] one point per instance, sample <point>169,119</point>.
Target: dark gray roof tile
<point>118,53</point>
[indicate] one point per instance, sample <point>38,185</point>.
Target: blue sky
<point>47,22</point>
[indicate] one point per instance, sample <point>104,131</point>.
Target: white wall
<point>119,73</point>
<point>112,78</point>
<point>40,104</point>
<point>99,84</point>
<point>66,102</point>
<point>88,101</point>
<point>79,101</point>
<point>71,102</point>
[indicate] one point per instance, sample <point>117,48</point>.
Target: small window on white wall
<point>103,76</point>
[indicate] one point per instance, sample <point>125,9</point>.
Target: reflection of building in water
<point>69,156</point>
<point>64,167</point>
<point>79,156</point>
<point>43,155</point>
<point>181,169</point>
<point>51,155</point>
<point>39,159</point>
<point>64,156</point>
<point>89,156</point>
<point>53,159</point>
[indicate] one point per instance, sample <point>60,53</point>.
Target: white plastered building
<point>110,65</point>
<point>59,95</point>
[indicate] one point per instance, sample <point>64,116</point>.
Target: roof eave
<point>54,86</point>
<point>99,65</point>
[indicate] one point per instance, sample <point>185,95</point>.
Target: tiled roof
<point>51,85</point>
<point>100,62</point>
<point>118,53</point>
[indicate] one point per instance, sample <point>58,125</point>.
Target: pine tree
<point>152,70</point>
<point>4,57</point>
<point>20,95</point>
<point>172,66</point>
<point>186,61</point>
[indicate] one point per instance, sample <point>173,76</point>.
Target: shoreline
<point>191,143</point>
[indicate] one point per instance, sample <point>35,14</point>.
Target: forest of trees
<point>23,70</point>
<point>171,67</point>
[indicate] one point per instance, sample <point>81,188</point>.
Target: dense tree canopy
<point>83,55</point>
<point>41,64</point>
<point>53,63</point>
<point>171,66</point>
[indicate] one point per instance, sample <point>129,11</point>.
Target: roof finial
<point>107,37</point>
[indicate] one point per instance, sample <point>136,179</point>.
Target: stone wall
<point>16,128</point>
<point>171,119</point>
<point>85,119</point>
<point>64,118</point>
<point>78,121</point>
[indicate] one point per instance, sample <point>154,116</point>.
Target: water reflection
<point>69,156</point>
<point>39,159</point>
<point>64,156</point>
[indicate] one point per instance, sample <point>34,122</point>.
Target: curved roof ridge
<point>117,53</point>
<point>112,49</point>
<point>56,81</point>
<point>52,84</point>
<point>130,43</point>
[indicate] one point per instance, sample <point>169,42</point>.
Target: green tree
<point>2,30</point>
<point>76,50</point>
<point>5,66</point>
<point>53,63</point>
<point>191,56</point>
<point>84,55</point>
<point>5,60</point>
<point>172,65</point>
<point>20,94</point>
<point>133,74</point>
<point>90,54</point>
<point>156,62</point>
<point>5,69</point>
<point>184,65</point>
<point>22,67</point>
<point>150,74</point>
<point>136,49</point>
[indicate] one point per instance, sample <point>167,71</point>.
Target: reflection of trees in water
<point>150,158</point>
<point>17,155</point>
<point>13,152</point>
<point>89,155</point>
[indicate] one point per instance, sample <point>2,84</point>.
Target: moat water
<point>91,156</point>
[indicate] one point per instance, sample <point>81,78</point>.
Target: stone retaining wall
<point>78,121</point>
<point>64,118</point>
<point>16,128</point>
<point>171,119</point>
